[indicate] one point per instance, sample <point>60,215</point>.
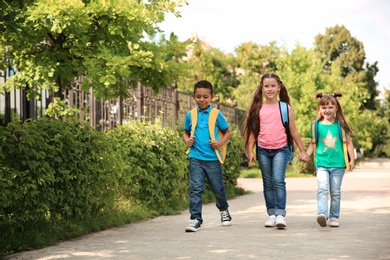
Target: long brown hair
<point>252,121</point>
<point>332,99</point>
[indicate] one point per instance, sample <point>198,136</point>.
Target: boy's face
<point>203,97</point>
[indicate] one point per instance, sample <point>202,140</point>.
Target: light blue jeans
<point>329,182</point>
<point>198,171</point>
<point>273,164</point>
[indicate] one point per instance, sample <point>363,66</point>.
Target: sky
<point>225,24</point>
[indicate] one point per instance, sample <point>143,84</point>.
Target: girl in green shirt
<point>329,157</point>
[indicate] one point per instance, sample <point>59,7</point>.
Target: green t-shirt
<point>329,152</point>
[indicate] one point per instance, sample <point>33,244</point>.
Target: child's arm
<point>188,139</point>
<point>351,152</point>
<point>218,144</point>
<point>249,149</point>
<point>310,149</point>
<point>297,138</point>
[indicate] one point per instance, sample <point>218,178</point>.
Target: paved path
<point>364,231</point>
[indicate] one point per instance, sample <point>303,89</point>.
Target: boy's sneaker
<point>334,222</point>
<point>321,220</point>
<point>226,219</point>
<point>271,221</point>
<point>193,226</point>
<point>280,221</point>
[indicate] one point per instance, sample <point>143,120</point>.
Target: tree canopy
<point>107,44</point>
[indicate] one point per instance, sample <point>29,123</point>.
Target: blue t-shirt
<point>201,149</point>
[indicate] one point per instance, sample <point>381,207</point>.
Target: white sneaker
<point>321,220</point>
<point>271,221</point>
<point>334,222</point>
<point>280,221</point>
<point>193,226</point>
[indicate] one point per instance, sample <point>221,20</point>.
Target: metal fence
<point>170,106</point>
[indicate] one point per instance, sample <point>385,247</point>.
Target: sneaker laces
<point>194,222</point>
<point>225,215</point>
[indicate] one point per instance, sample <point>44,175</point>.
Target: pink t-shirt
<point>272,132</point>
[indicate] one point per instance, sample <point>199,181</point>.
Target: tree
<point>105,43</point>
<point>204,62</point>
<point>337,45</point>
<point>253,60</point>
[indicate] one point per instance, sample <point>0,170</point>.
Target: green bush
<point>234,158</point>
<point>68,178</point>
<point>153,167</point>
<point>52,171</point>
<point>303,167</point>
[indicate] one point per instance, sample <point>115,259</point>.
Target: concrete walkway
<point>364,231</point>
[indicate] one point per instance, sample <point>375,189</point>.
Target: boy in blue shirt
<point>203,159</point>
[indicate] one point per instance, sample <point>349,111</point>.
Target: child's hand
<point>190,141</point>
<point>304,157</point>
<point>351,165</point>
<point>215,144</point>
<point>251,158</point>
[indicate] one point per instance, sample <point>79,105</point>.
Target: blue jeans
<point>273,164</point>
<point>198,171</point>
<point>329,180</point>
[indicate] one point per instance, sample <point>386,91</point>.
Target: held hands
<point>303,157</point>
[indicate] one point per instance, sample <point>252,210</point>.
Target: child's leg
<point>264,157</point>
<point>336,178</point>
<point>279,165</point>
<point>197,179</point>
<point>213,171</point>
<point>322,190</point>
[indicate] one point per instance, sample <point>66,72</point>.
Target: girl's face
<point>270,88</point>
<point>203,97</point>
<point>328,111</point>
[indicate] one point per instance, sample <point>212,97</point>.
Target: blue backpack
<point>283,108</point>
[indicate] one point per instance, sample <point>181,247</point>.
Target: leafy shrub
<point>234,158</point>
<point>153,169</point>
<point>53,170</point>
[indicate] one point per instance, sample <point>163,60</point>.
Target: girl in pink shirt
<point>263,127</point>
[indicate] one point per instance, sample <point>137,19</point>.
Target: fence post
<point>120,110</point>
<point>140,97</point>
<point>175,100</point>
<point>217,100</point>
<point>92,109</point>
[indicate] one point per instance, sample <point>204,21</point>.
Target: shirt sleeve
<point>222,124</point>
<point>187,122</point>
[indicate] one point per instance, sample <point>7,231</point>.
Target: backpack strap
<point>344,140</point>
<point>221,152</point>
<point>194,119</point>
<point>314,137</point>
<point>283,108</point>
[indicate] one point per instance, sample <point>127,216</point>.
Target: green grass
<point>254,172</point>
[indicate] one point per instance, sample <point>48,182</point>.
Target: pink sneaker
<point>334,222</point>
